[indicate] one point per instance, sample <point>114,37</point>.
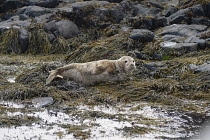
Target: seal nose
<point>132,64</point>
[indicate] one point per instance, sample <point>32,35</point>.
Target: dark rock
<point>42,102</point>
<point>64,28</point>
<point>43,3</point>
<point>141,55</point>
<point>179,17</point>
<point>33,11</point>
<point>142,34</point>
<point>198,11</point>
<point>155,65</point>
<point>12,4</point>
<point>200,20</point>
<point>207,10</point>
<point>23,39</point>
<point>169,11</point>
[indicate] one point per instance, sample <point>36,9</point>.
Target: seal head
<point>126,64</point>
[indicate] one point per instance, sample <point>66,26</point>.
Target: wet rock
<point>200,68</point>
<point>155,65</point>
<point>13,22</point>
<point>23,39</point>
<point>64,28</point>
<point>42,102</point>
<point>33,11</point>
<point>142,34</point>
<point>170,46</point>
<point>182,30</point>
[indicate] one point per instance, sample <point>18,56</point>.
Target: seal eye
<point>125,61</point>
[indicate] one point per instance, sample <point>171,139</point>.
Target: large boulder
<point>64,28</point>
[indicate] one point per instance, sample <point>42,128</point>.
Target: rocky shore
<point>170,41</point>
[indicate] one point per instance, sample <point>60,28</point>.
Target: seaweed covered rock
<point>145,22</point>
<point>93,13</point>
<point>186,15</point>
<point>142,34</point>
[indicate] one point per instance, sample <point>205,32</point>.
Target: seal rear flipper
<point>52,76</point>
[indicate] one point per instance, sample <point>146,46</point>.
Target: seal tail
<point>53,75</point>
